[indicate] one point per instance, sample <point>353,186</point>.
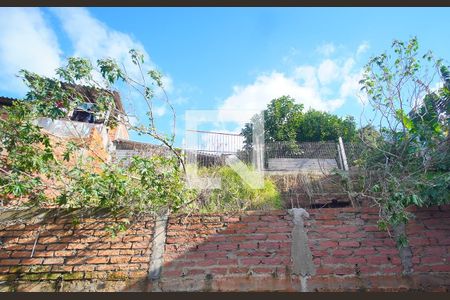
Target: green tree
<point>281,119</point>
<point>285,121</point>
<point>410,163</point>
<point>30,168</point>
<point>317,126</point>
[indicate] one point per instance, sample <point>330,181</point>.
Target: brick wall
<point>65,253</point>
<point>211,252</point>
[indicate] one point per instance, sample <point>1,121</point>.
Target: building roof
<point>89,92</point>
<point>6,101</point>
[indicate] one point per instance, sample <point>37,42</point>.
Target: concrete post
<point>344,157</point>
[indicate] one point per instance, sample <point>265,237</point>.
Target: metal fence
<point>209,149</point>
<point>301,150</point>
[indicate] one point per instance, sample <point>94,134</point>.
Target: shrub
<point>235,194</point>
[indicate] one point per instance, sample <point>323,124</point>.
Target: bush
<point>235,194</point>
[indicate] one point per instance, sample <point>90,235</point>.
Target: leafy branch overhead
<point>409,160</point>
<point>38,168</point>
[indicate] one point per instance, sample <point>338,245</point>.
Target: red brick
<point>228,246</point>
<point>107,267</point>
<point>31,261</point>
<point>76,261</point>
<point>194,255</point>
<point>437,234</point>
<point>14,247</point>
<point>339,252</point>
<point>324,271</point>
<point>97,260</point>
<point>355,260</point>
<point>231,219</point>
<point>206,262</point>
<point>343,271</point>
<point>57,247</point>
<point>84,268</point>
<point>319,253</point>
<point>108,252</point>
<point>139,259</point>
<point>64,253</point>
<point>371,228</point>
<point>193,272</point>
<point>5,254</point>
<point>435,251</point>
<point>217,270</point>
<point>328,244</point>
<point>389,242</point>
<point>250,261</point>
<point>333,260</point>
<point>21,254</point>
<point>269,245</point>
<point>207,247</point>
<point>248,219</point>
<point>101,246</point>
<point>9,262</point>
<point>422,268</point>
<point>418,241</point>
<point>87,240</point>
<point>216,254</point>
<point>121,245</point>
<point>237,270</point>
<point>172,273</point>
<point>369,242</point>
<point>248,245</point>
<point>349,244</point>
<point>444,241</point>
<point>87,252</point>
<point>219,238</point>
<point>393,251</point>
<point>53,261</point>
<point>272,261</point>
<point>77,246</point>
<point>441,268</point>
<point>347,229</point>
<point>119,259</point>
<point>133,252</point>
<point>227,261</point>
<point>258,237</point>
<point>432,259</point>
<point>278,237</point>
<point>377,260</point>
<point>48,240</point>
<point>44,253</point>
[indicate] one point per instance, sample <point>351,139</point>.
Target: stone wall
<point>308,189</point>
<point>332,249</point>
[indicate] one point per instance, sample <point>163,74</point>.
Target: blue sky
<point>222,58</point>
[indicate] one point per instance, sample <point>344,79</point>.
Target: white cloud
<point>326,49</point>
<point>93,39</point>
<point>266,87</point>
<point>26,42</point>
<point>363,47</point>
<point>325,86</point>
<point>328,71</point>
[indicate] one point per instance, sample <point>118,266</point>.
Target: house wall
<point>341,249</point>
